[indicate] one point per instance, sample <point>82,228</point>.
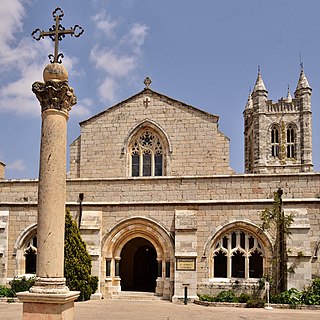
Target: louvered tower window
<point>275,142</point>
<point>290,142</point>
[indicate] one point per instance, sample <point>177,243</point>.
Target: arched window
<point>238,254</point>
<point>146,152</point>
<point>30,254</point>
<point>275,142</point>
<point>290,142</point>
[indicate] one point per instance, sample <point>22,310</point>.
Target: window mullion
<point>152,164</point>
<point>229,255</point>
<point>246,266</point>
<point>141,164</point>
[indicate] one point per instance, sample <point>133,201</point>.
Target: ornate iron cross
<point>56,33</point>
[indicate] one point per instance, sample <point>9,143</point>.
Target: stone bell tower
<point>50,298</point>
<point>278,135</point>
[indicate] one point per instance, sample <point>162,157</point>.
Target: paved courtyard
<point>161,310</point>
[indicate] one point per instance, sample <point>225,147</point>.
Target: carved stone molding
<point>50,286</point>
<point>56,95</point>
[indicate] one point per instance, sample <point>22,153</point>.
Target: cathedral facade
<point>159,206</point>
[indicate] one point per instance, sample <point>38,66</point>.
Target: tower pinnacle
<point>249,104</point>
<point>259,86</point>
<point>289,97</point>
<point>303,81</point>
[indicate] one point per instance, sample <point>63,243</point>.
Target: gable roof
<point>214,118</point>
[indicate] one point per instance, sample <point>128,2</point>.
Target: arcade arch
<point>138,243</point>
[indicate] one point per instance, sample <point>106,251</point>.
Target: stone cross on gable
<point>146,102</point>
<point>147,81</point>
<point>57,32</point>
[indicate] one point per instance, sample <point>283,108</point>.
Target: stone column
<point>2,166</point>
<point>50,298</point>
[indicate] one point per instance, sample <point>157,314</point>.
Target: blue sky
<point>202,52</point>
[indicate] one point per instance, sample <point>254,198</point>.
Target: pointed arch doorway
<point>138,266</point>
<point>144,252</point>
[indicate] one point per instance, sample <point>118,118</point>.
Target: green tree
<point>274,219</point>
<point>77,261</point>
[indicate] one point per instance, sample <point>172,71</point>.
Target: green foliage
<point>206,297</point>
<point>291,297</point>
<point>226,296</point>
<point>77,262</point>
<point>244,297</point>
<point>6,292</point>
<point>21,284</point>
<point>311,294</point>
<point>274,219</point>
<point>255,302</point>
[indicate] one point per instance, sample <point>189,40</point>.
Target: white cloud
<point>118,60</point>
<point>22,61</point>
<point>17,165</point>
<point>11,15</point>
<point>137,35</point>
<point>115,65</point>
<point>104,23</point>
<point>82,108</point>
<point>107,89</point>
<point>18,73</point>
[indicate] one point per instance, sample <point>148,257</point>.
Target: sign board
<point>186,264</point>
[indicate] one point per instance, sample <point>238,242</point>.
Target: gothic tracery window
<point>238,254</point>
<point>146,154</point>
<point>275,142</point>
<point>290,142</point>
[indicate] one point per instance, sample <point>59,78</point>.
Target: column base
<point>41,306</point>
<point>50,286</point>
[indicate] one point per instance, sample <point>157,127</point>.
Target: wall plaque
<point>186,264</point>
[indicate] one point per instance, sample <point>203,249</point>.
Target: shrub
<point>291,297</point>
<point>311,294</point>
<point>206,297</point>
<point>226,296</point>
<point>77,262</point>
<point>21,284</point>
<point>6,292</point>
<point>244,297</point>
<point>255,302</point>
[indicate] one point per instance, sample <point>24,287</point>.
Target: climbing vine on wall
<point>275,220</point>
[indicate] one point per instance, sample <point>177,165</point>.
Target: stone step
<point>135,295</point>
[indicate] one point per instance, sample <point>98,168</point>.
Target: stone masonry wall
<point>198,148</point>
<point>216,200</point>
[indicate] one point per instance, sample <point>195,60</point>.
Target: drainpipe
<point>81,197</point>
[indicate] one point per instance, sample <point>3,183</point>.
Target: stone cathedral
<point>159,206</point>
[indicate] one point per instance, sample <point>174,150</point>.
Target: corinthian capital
<point>56,95</point>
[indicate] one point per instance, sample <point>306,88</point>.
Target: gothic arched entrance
<point>138,266</point>
<point>138,255</point>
